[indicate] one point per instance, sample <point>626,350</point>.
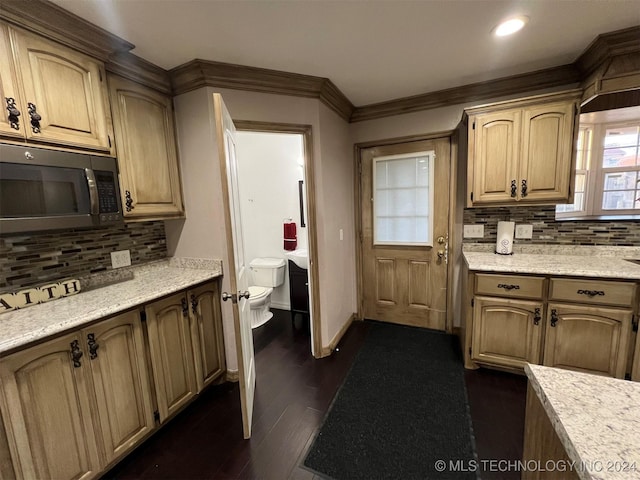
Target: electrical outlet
<point>121,258</point>
<point>524,231</point>
<point>473,231</point>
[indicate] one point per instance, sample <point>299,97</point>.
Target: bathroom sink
<point>300,257</point>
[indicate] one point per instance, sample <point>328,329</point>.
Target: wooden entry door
<point>405,215</point>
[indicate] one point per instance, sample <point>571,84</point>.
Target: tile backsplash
<point>35,259</point>
<point>546,230</point>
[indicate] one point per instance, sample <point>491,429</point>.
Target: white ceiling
<point>372,50</point>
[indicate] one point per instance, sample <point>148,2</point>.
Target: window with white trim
<point>607,172</point>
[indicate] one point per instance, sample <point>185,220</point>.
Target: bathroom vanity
<point>298,290</point>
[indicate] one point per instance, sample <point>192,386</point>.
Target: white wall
<point>268,173</point>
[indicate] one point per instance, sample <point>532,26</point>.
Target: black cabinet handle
<point>128,201</point>
<point>591,293</point>
<point>513,188</point>
<point>194,304</point>
<point>93,346</point>
<point>536,316</point>
<point>35,117</point>
<point>508,287</point>
<point>14,113</point>
<point>185,307</point>
<point>524,188</point>
<point>76,353</point>
<point>554,317</point>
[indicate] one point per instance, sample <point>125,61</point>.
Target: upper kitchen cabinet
<point>522,151</point>
<point>61,94</point>
<point>145,138</point>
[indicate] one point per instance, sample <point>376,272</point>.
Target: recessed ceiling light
<point>510,26</point>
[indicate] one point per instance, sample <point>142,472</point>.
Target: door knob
<point>440,254</point>
<point>244,294</point>
<point>229,296</point>
<point>441,240</point>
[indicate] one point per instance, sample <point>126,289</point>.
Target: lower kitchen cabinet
<point>47,410</point>
<point>506,332</point>
<point>76,403</point>
<point>589,339</point>
<point>171,352</point>
<point>116,354</point>
<point>577,324</point>
<point>206,334</point>
<point>71,407</point>
<point>185,345</point>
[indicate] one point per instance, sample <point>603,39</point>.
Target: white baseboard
<point>281,306</point>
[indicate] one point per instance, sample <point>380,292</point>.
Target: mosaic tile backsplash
<point>35,259</point>
<point>546,230</point>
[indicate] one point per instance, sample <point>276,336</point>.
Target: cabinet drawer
<point>509,285</point>
<point>592,291</point>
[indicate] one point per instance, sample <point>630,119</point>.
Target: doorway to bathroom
<point>275,178</point>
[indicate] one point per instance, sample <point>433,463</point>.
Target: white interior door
<point>238,273</point>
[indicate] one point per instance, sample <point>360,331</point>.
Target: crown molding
<point>137,69</point>
<point>204,73</point>
<point>605,46</point>
<point>48,19</point>
<point>526,82</point>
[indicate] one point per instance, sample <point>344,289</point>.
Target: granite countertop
<point>596,418</point>
<point>148,282</point>
<point>588,263</point>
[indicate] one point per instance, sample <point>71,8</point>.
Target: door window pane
<point>403,199</point>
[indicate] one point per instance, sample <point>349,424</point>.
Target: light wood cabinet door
<point>169,330</point>
<point>145,138</point>
<point>207,336</point>
<point>116,355</point>
<point>68,91</point>
<point>546,154</point>
<point>11,126</point>
<point>506,332</point>
<point>47,411</point>
<point>588,339</point>
<point>494,148</point>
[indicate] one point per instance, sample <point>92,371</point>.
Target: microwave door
<point>43,197</point>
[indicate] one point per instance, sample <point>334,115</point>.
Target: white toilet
<point>266,273</point>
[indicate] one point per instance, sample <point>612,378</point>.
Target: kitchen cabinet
<point>578,324</point>
<point>298,290</point>
<point>145,139</point>
<point>185,345</point>
<point>74,404</point>
<point>521,151</point>
<point>206,333</point>
<point>507,332</point>
<point>60,93</point>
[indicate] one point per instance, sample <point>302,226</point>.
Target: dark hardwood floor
<point>293,394</point>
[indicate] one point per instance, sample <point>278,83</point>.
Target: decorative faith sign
<point>34,295</point>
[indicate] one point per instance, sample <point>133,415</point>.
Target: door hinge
<point>473,302</point>
<point>634,323</point>
<point>143,316</point>
<point>156,416</point>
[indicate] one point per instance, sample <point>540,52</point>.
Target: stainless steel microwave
<point>50,190</point>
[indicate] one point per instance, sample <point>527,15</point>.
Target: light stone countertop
<point>596,418</point>
<point>149,282</point>
<point>554,264</point>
